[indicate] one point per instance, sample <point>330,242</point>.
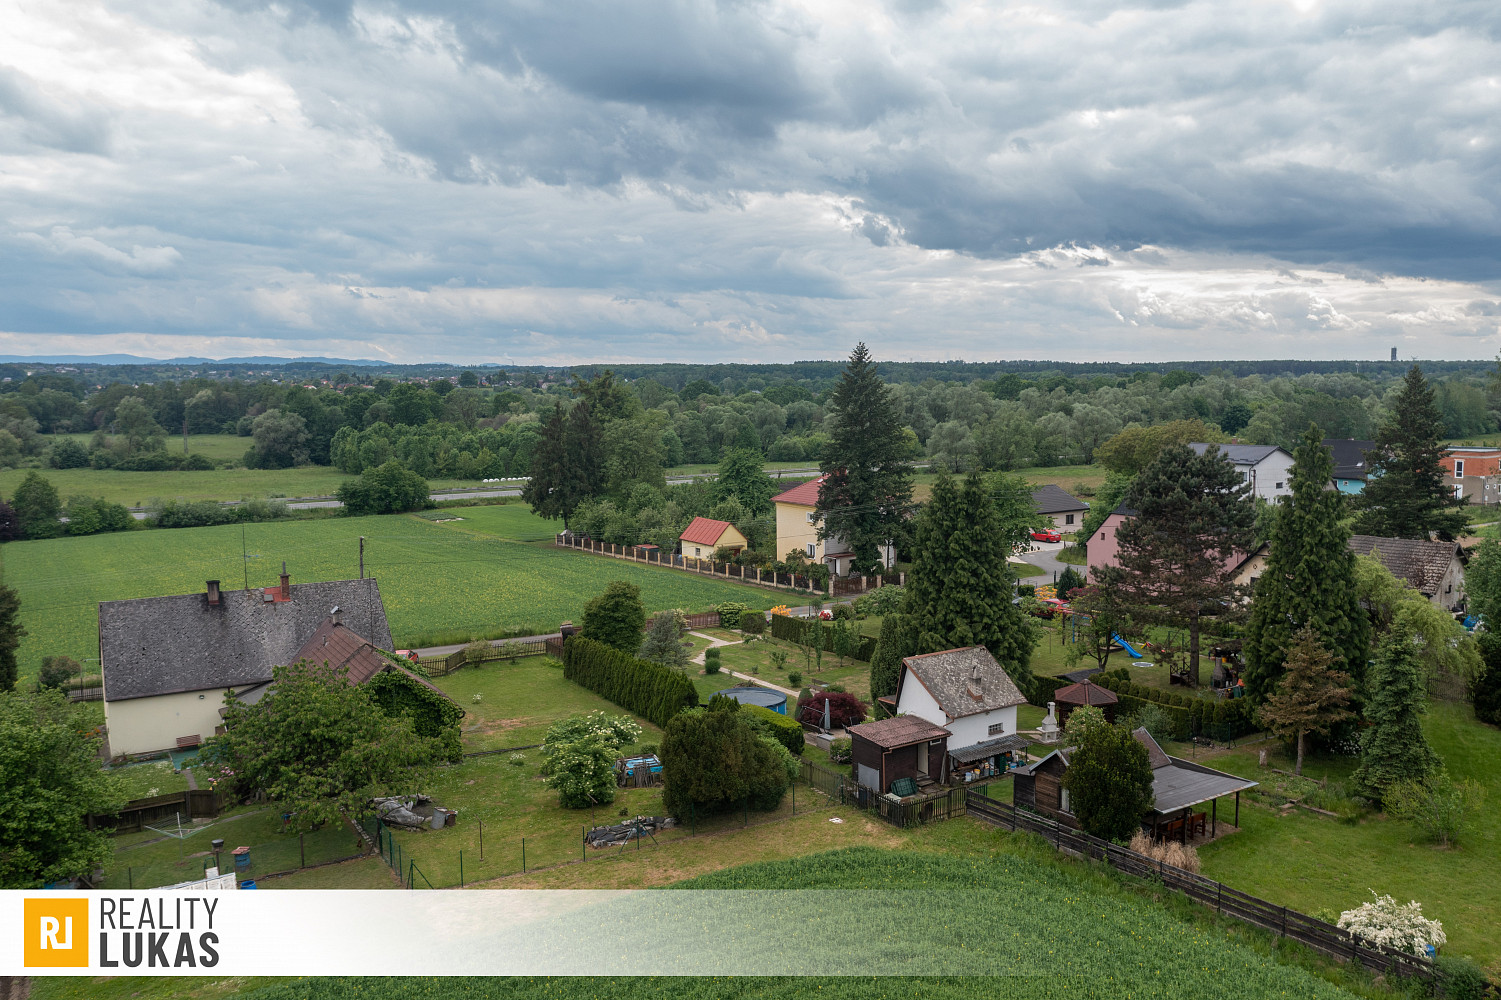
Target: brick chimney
<point>213,591</point>
<point>286,582</point>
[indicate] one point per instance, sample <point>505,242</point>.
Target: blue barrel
<point>249,884</point>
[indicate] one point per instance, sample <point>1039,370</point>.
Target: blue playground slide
<point>1130,650</point>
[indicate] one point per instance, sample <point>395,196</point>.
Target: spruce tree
<point>1405,495</point>
<point>896,642</point>
<point>1309,580</point>
<point>868,486</point>
<point>960,588</point>
<point>544,487</point>
<point>1177,557</point>
<point>1311,695</point>
<point>1393,747</point>
<point>584,459</point>
<point>664,642</point>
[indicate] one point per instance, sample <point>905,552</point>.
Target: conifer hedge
<point>650,690</point>
<point>787,731</point>
<point>1224,719</point>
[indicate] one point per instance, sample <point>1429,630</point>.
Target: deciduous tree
<point>11,631</point>
<point>868,483</point>
<point>1405,495</point>
<point>1311,696</point>
<point>385,489</point>
<point>37,507</point>
<point>1309,580</point>
<point>742,475</point>
<point>1098,618</point>
<point>1109,782</point>
<point>1177,558</point>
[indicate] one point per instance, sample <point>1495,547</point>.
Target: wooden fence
<point>140,813</point>
<point>442,666</point>
<point>1295,926</point>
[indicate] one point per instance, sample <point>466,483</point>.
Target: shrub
<point>841,750</point>
<point>56,672</point>
<point>845,709</point>
<point>1154,719</point>
<point>615,617</point>
<point>1403,928</point>
<point>713,760</point>
<point>1169,853</point>
<point>68,454</point>
<point>797,630</point>
<point>776,725</point>
<point>752,623</point>
<point>795,678</point>
<point>654,692</point>
<point>843,613</point>
<point>516,760</point>
<point>580,753</point>
<point>1459,978</point>
<point>476,651</point>
<point>386,489</point>
<point>399,693</point>
<point>1442,807</point>
<point>730,613</point>
<point>880,602</point>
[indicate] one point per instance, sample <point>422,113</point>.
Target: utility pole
<point>362,557</point>
<point>184,435</point>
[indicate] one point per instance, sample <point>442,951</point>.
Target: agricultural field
<point>1076,479</point>
<point>440,582</point>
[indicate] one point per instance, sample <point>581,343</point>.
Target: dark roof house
<point>338,646</point>
<point>1433,569</point>
<point>223,638</point>
<point>1054,499</point>
<point>903,749</point>
<point>1349,457</point>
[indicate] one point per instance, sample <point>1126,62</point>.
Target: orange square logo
<point>56,933</point>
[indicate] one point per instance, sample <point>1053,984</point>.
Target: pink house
<point>1101,547</point>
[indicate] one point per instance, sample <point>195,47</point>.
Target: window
<point>1279,486</point>
<point>1068,519</point>
<point>1459,468</point>
<point>695,550</point>
<point>999,729</point>
<point>812,550</point>
<point>810,517</point>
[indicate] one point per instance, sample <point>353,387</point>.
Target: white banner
<point>492,932</point>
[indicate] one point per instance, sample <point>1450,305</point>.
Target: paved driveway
<point>1044,555</point>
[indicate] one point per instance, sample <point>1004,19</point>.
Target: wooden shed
<point>904,747</point>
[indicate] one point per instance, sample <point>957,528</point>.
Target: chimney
<point>213,591</point>
<point>335,613</point>
<point>286,582</point>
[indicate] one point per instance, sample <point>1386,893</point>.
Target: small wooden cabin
<point>904,747</point>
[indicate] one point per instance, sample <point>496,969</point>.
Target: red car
<point>1046,536</point>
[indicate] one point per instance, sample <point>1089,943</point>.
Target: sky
<point>671,180</point>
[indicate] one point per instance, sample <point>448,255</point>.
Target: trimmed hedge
<point>650,690</point>
<point>1043,689</point>
<point>791,629</point>
<point>1223,719</point>
<point>787,731</point>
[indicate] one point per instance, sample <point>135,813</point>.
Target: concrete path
<point>699,659</point>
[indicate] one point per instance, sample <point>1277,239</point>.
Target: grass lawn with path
<point>154,777</point>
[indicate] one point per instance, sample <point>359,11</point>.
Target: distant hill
<point>135,359</point>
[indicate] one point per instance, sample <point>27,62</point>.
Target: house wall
<point>1251,569</point>
<point>914,699</point>
<point>795,531</point>
<point>1102,546</point>
<point>731,539</point>
<point>1265,476</point>
<point>1068,520</point>
<point>1349,485</point>
<point>974,729</point>
<point>149,725</point>
<point>1451,590</point>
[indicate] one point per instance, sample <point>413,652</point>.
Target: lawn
<point>440,582</point>
<point>755,658</point>
<point>1311,862</point>
<point>155,777</point>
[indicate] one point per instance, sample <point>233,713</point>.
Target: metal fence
<point>1295,926</point>
<point>152,863</point>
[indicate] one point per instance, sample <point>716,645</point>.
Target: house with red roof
<point>797,530</point>
<point>704,536</point>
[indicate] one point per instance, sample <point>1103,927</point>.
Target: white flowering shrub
<point>579,756</point>
<point>1403,928</point>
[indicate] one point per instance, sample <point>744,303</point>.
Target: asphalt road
<point>1044,555</point>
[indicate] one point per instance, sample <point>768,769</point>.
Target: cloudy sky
<point>654,180</point>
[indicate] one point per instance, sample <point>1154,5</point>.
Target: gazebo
<point>1086,692</point>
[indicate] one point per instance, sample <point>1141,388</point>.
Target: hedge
<point>1224,719</point>
<point>650,690</point>
<point>1043,689</point>
<point>787,731</point>
<point>791,629</point>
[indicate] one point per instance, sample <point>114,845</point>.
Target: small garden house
<point>704,536</point>
<point>906,747</point>
<point>1086,692</point>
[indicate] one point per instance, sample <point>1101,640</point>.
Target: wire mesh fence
<point>467,852</point>
<point>156,861</point>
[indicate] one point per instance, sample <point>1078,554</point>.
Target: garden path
<point>699,659</point>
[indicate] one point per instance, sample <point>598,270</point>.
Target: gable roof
<point>1155,754</point>
<point>963,681</point>
<point>900,731</point>
<point>1176,783</point>
<point>1421,563</point>
<point>801,495</point>
<point>167,645</point>
<point>1054,499</point>
<point>1240,454</point>
<point>337,645</point>
<point>705,531</point>
<point>1349,457</point>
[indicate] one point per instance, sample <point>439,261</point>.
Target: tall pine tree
<point>1405,495</point>
<point>1311,695</point>
<point>584,461</point>
<point>544,487</point>
<point>897,641</point>
<point>960,588</point>
<point>1309,580</point>
<point>868,486</point>
<point>1393,748</point>
<point>1177,558</point>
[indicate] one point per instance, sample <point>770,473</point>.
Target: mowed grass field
<point>440,582</point>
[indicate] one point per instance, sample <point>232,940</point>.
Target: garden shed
<point>904,747</point>
<point>756,695</point>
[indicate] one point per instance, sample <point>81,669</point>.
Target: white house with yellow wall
<point>704,536</point>
<point>797,529</point>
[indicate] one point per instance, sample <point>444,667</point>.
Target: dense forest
<point>487,423</point>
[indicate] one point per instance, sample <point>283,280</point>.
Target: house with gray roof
<point>962,690</point>
<point>1266,468</point>
<point>1065,510</point>
<point>1434,569</point>
<point>168,661</point>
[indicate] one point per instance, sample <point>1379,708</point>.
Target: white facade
<point>149,725</point>
<point>967,730</point>
<point>1271,477</point>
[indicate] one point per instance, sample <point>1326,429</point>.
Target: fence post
<point>523,855</point>
<point>1284,922</point>
<point>461,868</point>
<point>745,805</point>
<point>584,841</point>
<point>794,798</point>
<point>301,852</point>
<point>130,878</point>
<point>482,840</point>
<point>411,882</point>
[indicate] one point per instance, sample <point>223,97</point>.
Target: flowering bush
<point>780,609</point>
<point>840,750</point>
<point>517,760</point>
<point>579,756</point>
<point>826,615</point>
<point>1401,927</point>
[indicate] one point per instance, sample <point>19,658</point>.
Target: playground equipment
<point>1123,644</point>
